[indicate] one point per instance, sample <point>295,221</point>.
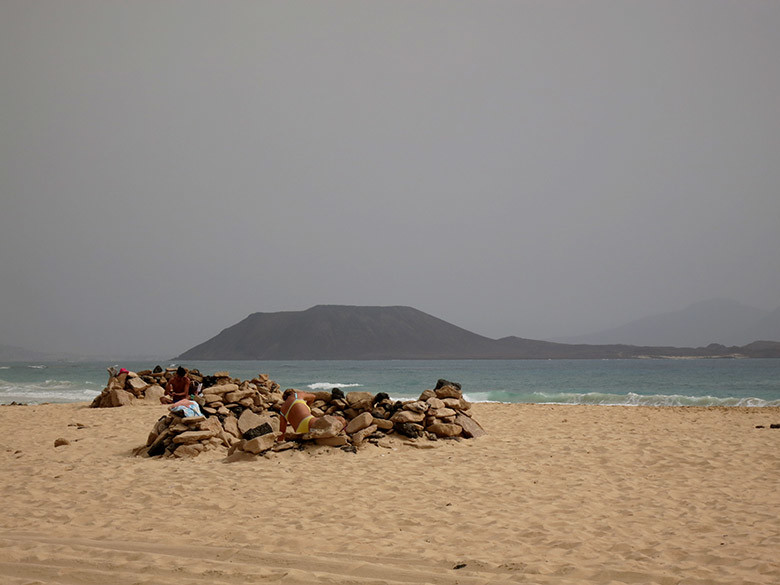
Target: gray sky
<point>523,168</point>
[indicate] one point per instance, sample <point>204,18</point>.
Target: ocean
<point>688,382</point>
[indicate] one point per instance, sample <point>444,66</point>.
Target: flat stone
<point>230,424</point>
<point>360,436</point>
<point>188,450</point>
<point>250,420</point>
<point>417,406</point>
<point>449,392</point>
<point>407,416</point>
<point>153,393</point>
<point>359,400</point>
<point>324,427</point>
<point>260,444</point>
<point>336,441</point>
<point>359,422</point>
<point>444,413</point>
<point>238,395</point>
<point>383,424</point>
<point>221,389</point>
<point>471,428</point>
<point>441,429</point>
<point>436,402</point>
<point>188,437</point>
<point>192,420</point>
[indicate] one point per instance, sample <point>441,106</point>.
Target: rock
<point>238,395</point>
<point>444,413</point>
<point>436,403</point>
<point>360,436</point>
<point>258,431</point>
<point>471,428</point>
<point>260,444</point>
<point>336,441</point>
<point>441,383</point>
<point>441,429</point>
<point>417,406</point>
<point>324,427</point>
<point>359,422</point>
<point>250,420</point>
<point>230,424</point>
<point>136,385</point>
<point>192,420</point>
<point>117,397</point>
<point>427,394</point>
<point>411,430</point>
<point>60,442</point>
<point>189,437</point>
<point>383,424</point>
<point>188,450</point>
<point>407,416</point>
<point>153,394</point>
<point>448,391</point>
<point>222,389</point>
<point>360,400</point>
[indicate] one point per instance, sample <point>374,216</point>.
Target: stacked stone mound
<point>243,418</point>
<point>127,388</point>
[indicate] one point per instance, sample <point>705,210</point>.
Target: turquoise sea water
<point>698,382</point>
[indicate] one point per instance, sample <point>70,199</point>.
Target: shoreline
<point>553,494</point>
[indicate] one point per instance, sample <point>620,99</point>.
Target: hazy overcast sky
<point>530,168</point>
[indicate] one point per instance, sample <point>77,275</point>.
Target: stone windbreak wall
<point>242,417</point>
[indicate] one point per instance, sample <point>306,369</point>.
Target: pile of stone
<point>243,418</point>
<point>125,388</point>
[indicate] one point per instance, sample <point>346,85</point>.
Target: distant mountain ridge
<point>713,321</point>
<point>340,332</point>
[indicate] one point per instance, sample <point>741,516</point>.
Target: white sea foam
<point>330,386</point>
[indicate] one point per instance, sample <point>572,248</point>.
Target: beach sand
<point>553,494</point>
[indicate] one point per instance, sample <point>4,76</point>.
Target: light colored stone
<point>188,450</point>
<point>360,436</point>
<point>117,397</point>
<point>153,394</point>
<point>383,424</point>
<point>359,400</point>
<point>441,429</point>
<point>359,422</point>
<point>337,441</point>
<point>427,394</point>
<point>221,389</point>
<point>260,444</point>
<point>192,420</point>
<point>449,392</point>
<point>249,420</point>
<point>436,402</point>
<point>238,395</point>
<point>324,427</point>
<point>405,416</point>
<point>135,385</point>
<point>444,412</point>
<point>230,424</point>
<point>212,398</point>
<point>417,406</point>
<point>188,437</point>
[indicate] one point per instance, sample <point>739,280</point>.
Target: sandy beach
<point>553,494</point>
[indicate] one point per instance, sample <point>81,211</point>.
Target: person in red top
<point>178,387</point>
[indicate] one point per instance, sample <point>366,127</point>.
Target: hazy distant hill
<point>10,353</point>
<point>334,332</point>
<point>714,321</point>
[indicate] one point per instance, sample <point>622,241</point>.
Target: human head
<point>181,372</point>
<point>287,393</point>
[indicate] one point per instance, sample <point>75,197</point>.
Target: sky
<point>530,168</point>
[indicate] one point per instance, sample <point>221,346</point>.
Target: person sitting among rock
<point>296,411</point>
<point>177,388</point>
